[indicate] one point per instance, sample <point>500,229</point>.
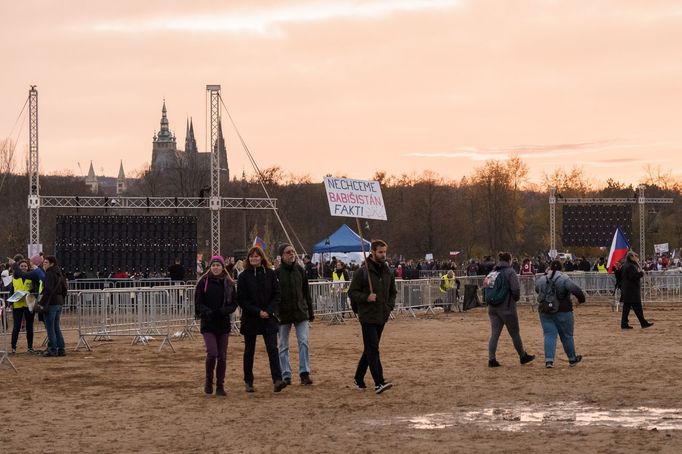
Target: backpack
<point>548,301</point>
<point>495,288</point>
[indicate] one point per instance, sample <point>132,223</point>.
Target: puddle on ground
<point>557,416</point>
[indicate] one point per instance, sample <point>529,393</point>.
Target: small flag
<point>258,241</point>
<point>619,247</point>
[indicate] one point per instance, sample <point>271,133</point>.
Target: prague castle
<point>167,158</point>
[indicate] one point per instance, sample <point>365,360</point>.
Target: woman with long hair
<point>556,287</point>
<point>214,302</point>
<point>53,297</point>
<point>258,296</point>
<point>20,309</point>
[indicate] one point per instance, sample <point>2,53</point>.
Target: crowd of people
<point>276,298</point>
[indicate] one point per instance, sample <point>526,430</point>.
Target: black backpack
<point>548,301</point>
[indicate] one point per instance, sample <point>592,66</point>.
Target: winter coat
<point>510,275</point>
<point>383,284</point>
<point>630,283</point>
<point>214,301</point>
<point>296,304</point>
<point>564,287</point>
<point>258,290</point>
<point>55,288</point>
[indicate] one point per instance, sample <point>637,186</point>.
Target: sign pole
<point>362,245</point>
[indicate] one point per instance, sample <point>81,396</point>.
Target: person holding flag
<point>631,292</point>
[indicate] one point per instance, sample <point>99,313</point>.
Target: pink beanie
<point>37,260</point>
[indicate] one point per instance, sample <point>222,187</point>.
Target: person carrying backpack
<point>501,300</point>
<point>554,291</point>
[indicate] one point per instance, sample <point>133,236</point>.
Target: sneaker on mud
<point>360,386</point>
<point>574,362</point>
<point>382,387</point>
<point>249,387</point>
<point>493,363</point>
<point>287,380</point>
<point>549,364</point>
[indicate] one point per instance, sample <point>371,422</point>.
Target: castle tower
<point>121,185</point>
<point>91,180</point>
<point>164,147</point>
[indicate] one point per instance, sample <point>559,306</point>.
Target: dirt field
<point>123,398</point>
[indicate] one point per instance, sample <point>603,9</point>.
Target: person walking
<point>54,293</point>
<point>373,304</point>
<point>561,322</point>
<point>258,295</point>
<point>631,291</point>
<point>295,308</point>
<point>214,301</point>
<point>505,314</point>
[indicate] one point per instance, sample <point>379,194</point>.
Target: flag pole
<point>362,245</point>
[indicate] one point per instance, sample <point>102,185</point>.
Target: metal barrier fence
<point>4,334</point>
<point>330,298</point>
<point>101,284</point>
<point>140,313</point>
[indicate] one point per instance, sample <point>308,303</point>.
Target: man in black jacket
<point>373,304</point>
<point>631,292</point>
<point>295,308</point>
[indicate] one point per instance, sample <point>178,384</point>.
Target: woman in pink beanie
<point>214,299</point>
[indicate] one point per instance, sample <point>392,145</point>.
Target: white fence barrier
<point>140,313</point>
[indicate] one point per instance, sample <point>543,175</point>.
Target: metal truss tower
<point>640,200</point>
<point>33,174</point>
<point>214,92</point>
<point>215,202</point>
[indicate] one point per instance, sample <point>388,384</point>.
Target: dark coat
<point>630,283</point>
<point>55,288</point>
<point>383,283</point>
<point>214,301</point>
<point>258,290</point>
<point>296,304</point>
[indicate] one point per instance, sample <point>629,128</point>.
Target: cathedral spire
<point>190,141</point>
<point>165,134</point>
<point>121,173</point>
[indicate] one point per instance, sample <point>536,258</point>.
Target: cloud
<point>263,21</point>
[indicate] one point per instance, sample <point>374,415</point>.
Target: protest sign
<point>355,198</point>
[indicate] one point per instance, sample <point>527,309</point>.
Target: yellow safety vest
<point>601,268</point>
<point>21,284</point>
<point>336,277</point>
<point>446,283</point>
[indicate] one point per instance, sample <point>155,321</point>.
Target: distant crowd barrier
<point>101,284</point>
<point>140,313</point>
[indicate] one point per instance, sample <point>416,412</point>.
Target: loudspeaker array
<point>130,243</point>
<point>594,225</point>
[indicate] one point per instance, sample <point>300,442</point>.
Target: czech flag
<point>258,241</point>
<point>619,247</point>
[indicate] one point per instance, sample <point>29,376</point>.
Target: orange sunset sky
<point>351,87</point>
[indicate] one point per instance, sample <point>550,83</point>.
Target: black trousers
<point>371,336</point>
<point>270,340</point>
<point>639,312</point>
<point>18,314</point>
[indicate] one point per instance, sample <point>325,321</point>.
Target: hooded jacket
<point>55,289</point>
<point>258,290</point>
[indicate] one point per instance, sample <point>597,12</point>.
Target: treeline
<point>495,208</point>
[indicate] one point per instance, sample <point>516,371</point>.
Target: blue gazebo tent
<point>343,240</point>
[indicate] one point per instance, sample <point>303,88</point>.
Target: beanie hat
<point>281,248</point>
<point>217,259</point>
<point>37,260</point>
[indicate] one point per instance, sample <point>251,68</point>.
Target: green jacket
<point>383,284</point>
<point>295,303</point>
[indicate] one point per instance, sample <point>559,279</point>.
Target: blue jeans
<point>560,323</point>
<point>55,340</point>
<point>302,329</point>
